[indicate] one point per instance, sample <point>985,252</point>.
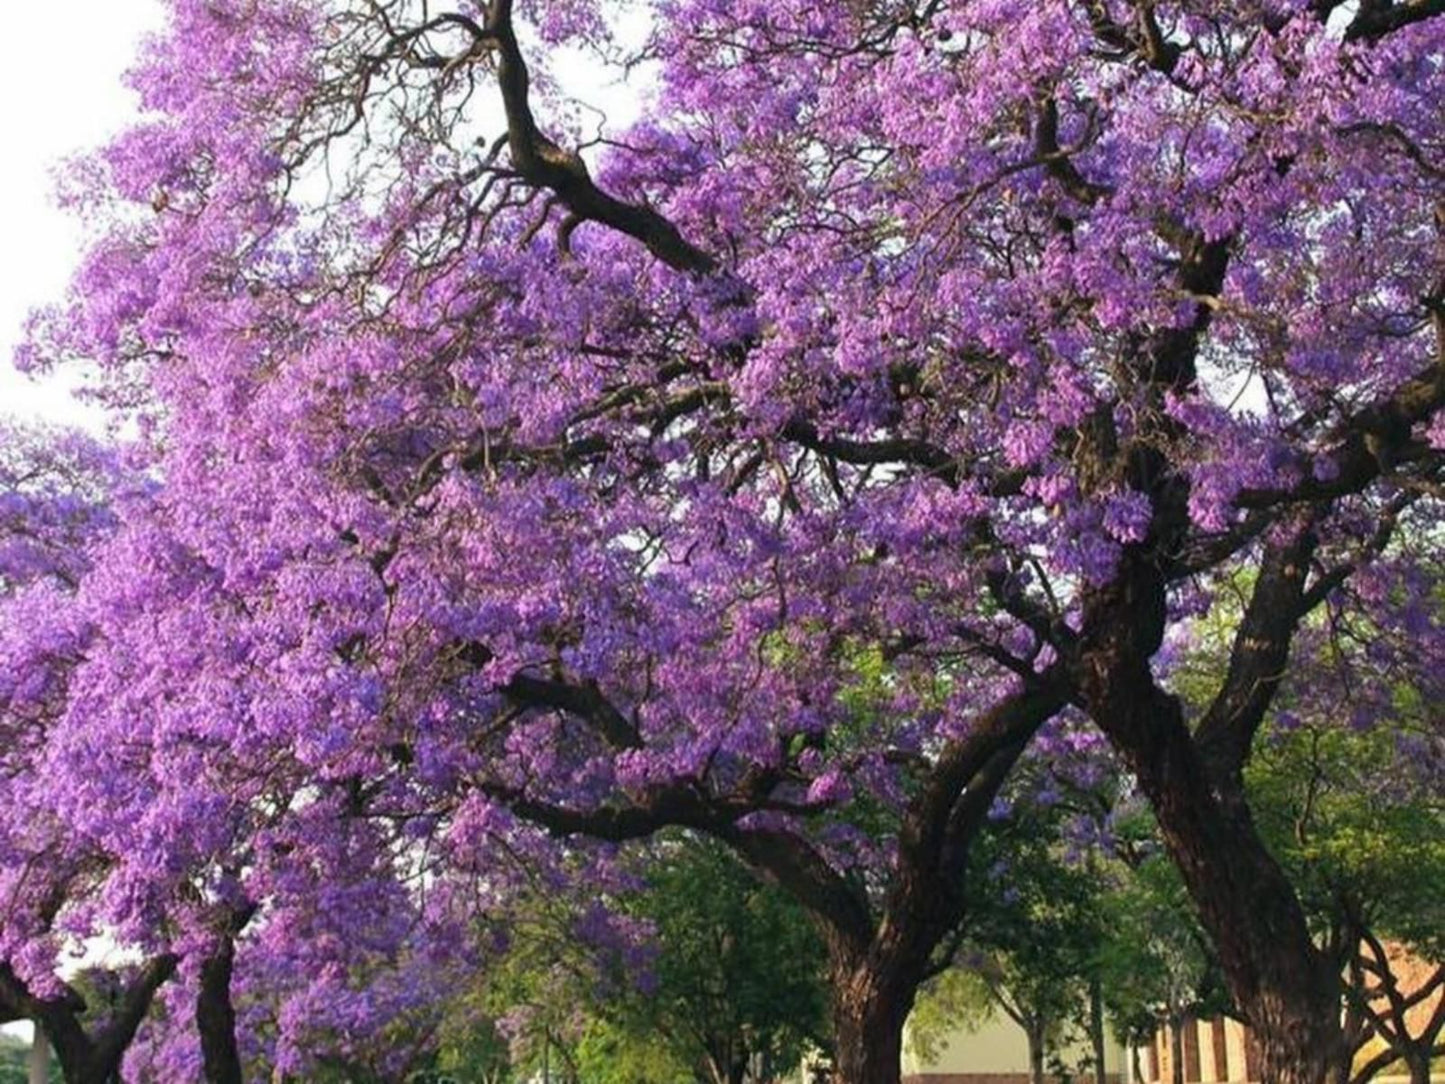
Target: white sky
<point>60,94</point>
<point>63,98</point>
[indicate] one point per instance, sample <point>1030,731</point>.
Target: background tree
<point>1357,818</point>
<point>1157,968</point>
<point>720,979</point>
<point>1032,948</point>
<point>737,986</point>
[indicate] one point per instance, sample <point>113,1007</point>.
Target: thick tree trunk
<point>1176,1050</point>
<point>216,1018</point>
<point>74,1051</point>
<point>85,1058</point>
<point>1420,1070</point>
<point>1288,989</point>
<point>868,1017</point>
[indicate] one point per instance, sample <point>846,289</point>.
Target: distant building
<point>1221,1051</point>
<point>1213,1051</point>
<point>997,1052</point>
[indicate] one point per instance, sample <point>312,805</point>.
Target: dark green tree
<point>1030,952</point>
<point>1357,819</point>
<point>737,989</point>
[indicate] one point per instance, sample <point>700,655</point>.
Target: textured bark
<point>1288,988</point>
<point>868,1016</point>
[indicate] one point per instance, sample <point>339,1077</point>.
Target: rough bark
<point>1286,987</point>
<point>868,1016</point>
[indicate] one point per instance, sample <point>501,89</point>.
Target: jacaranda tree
<point>775,467</point>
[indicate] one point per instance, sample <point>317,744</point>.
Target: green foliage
<point>958,999</point>
<point>1360,839</point>
<point>738,971</point>
<point>471,1049</point>
<point>1154,961</point>
<point>1033,937</point>
<point>613,1054</point>
<point>14,1055</point>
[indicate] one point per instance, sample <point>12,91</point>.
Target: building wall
<point>1221,1051</point>
<point>1215,1051</point>
<point>997,1052</point>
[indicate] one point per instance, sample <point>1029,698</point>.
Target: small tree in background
<point>1358,820</point>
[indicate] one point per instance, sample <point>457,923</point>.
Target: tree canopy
<point>485,462</point>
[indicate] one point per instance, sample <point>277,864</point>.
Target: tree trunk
<point>74,1050</point>
<point>216,1018</point>
<point>38,1064</point>
<point>1288,989</point>
<point>1176,1050</point>
<point>1096,1030</point>
<point>1420,1070</point>
<point>1036,1054</point>
<point>85,1058</point>
<point>868,1018</point>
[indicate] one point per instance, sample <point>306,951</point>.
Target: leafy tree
<point>489,460</point>
<point>613,1053</point>
<point>722,981</point>
<point>1156,965</point>
<point>1357,818</point>
<point>737,989</point>
<point>1034,948</point>
<point>1031,949</point>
